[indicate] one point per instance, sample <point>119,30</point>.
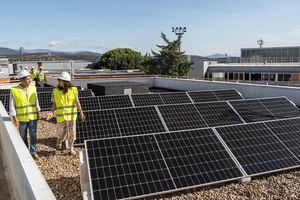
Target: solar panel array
<point>217,95</point>
<point>127,167</point>
<point>199,156</point>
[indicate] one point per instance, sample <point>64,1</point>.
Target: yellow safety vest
<point>41,75</point>
<point>33,74</point>
<point>25,104</point>
<point>66,109</point>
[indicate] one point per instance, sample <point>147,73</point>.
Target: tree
<point>169,60</point>
<point>121,58</point>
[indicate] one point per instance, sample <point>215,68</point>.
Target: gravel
<point>61,171</point>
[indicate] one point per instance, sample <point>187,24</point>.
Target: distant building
<point>270,54</point>
<point>278,64</point>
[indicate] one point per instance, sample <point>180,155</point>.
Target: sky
<point>213,26</point>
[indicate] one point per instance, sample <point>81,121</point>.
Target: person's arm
<point>12,110</point>
<point>79,108</point>
<point>53,108</point>
<point>38,108</point>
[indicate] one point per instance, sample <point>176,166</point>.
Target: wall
<point>247,90</point>
<point>26,179</point>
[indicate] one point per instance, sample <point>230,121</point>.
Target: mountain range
<point>10,52</point>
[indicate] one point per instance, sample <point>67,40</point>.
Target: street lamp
<point>179,31</point>
<point>260,42</point>
<point>21,52</point>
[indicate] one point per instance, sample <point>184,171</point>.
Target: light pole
<point>21,53</point>
<point>260,42</point>
<point>179,31</point>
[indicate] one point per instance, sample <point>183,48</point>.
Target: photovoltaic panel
<point>281,107</point>
<point>225,95</point>
<point>4,91</point>
<point>117,101</point>
<point>252,110</point>
<point>146,99</point>
<point>85,93</point>
<point>181,117</point>
<point>44,89</point>
<point>257,149</point>
<point>288,131</point>
<point>140,120</point>
<point>217,114</point>
<point>5,101</point>
<point>98,124</point>
<point>203,96</point>
<point>196,157</point>
<point>175,98</point>
<point>45,100</point>
<point>89,103</point>
<point>126,167</point>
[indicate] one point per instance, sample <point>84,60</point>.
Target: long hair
<point>66,86</point>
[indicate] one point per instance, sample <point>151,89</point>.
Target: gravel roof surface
<point>61,171</point>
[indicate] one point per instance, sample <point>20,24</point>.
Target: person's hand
<point>81,116</point>
<point>49,116</point>
<point>16,122</point>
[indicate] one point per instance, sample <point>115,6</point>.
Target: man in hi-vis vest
<point>65,103</point>
<point>24,109</point>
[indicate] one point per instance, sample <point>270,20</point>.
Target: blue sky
<point>213,26</point>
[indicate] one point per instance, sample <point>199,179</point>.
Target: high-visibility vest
<point>41,76</point>
<point>25,105</point>
<point>66,109</point>
<point>33,74</point>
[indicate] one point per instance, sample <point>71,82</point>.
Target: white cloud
<point>296,32</point>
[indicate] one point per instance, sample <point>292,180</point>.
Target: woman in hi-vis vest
<point>65,103</point>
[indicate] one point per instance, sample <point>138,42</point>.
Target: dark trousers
<point>32,127</point>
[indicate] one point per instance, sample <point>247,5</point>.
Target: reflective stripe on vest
<point>25,105</point>
<point>66,109</point>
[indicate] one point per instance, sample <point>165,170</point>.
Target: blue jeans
<point>32,127</point>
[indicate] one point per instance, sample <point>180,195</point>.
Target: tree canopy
<point>169,60</point>
<point>121,58</point>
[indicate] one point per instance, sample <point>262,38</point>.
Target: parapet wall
<point>25,177</point>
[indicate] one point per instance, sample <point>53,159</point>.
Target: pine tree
<point>169,60</point>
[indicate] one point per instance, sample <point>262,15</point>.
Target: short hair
<point>39,63</point>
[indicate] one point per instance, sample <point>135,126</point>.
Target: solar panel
<point>181,117</point>
<point>126,167</point>
<point>85,93</point>
<point>252,110</point>
<point>146,99</point>
<point>196,157</point>
<point>225,95</point>
<point>288,131</point>
<point>257,149</point>
<point>140,120</point>
<point>44,89</point>
<point>89,103</point>
<point>281,107</point>
<point>98,124</point>
<point>45,100</point>
<point>5,101</point>
<point>175,98</point>
<point>217,114</point>
<point>4,91</point>
<point>117,101</point>
<point>202,96</point>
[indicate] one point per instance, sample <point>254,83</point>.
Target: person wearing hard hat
<point>24,109</point>
<point>40,77</point>
<point>33,73</point>
<point>65,103</point>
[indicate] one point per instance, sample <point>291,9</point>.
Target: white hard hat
<point>64,76</point>
<point>41,67</point>
<point>23,73</point>
<point>32,67</point>
<point>26,67</point>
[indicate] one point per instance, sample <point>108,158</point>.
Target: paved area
<point>4,191</point>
